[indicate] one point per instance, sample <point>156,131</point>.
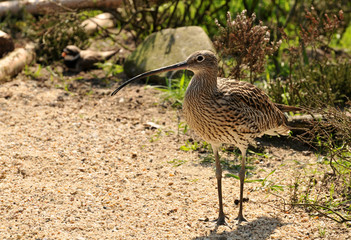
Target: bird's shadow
<point>261,228</point>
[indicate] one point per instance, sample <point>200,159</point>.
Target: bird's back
<point>236,113</point>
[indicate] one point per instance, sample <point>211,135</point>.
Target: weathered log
<point>103,20</point>
<point>47,6</point>
<point>305,119</point>
<point>15,61</point>
<point>303,123</point>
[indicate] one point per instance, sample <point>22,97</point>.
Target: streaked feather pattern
<point>224,110</point>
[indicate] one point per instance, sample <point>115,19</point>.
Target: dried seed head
<point>341,15</point>
<point>246,43</point>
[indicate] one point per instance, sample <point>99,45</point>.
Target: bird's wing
<point>255,112</point>
<point>91,56</point>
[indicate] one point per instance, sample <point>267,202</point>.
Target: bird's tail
<point>281,130</point>
<point>108,54</point>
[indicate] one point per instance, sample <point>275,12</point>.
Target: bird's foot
<point>221,221</point>
<point>217,222</point>
<point>240,219</point>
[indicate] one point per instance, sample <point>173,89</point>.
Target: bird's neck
<point>203,83</point>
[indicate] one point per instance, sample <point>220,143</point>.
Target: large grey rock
<point>166,47</point>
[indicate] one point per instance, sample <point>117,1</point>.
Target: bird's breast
<point>212,121</point>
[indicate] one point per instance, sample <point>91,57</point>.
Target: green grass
<point>195,146</point>
<point>324,193</point>
<point>183,127</point>
<point>110,69</point>
<point>177,162</point>
<point>189,146</point>
<point>175,89</point>
<point>345,41</point>
<point>34,75</point>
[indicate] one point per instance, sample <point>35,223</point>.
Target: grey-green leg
<point>221,215</point>
<point>240,217</point>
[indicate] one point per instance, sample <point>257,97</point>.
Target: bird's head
<point>71,51</point>
<point>203,60</point>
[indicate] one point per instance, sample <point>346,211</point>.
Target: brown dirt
<point>84,165</point>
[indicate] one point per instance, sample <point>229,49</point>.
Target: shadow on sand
<point>261,228</point>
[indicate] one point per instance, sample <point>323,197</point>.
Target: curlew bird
<point>80,60</point>
<point>224,110</point>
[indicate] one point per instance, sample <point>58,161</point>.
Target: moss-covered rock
<point>164,48</point>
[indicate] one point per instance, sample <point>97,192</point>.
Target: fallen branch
<point>316,206</point>
<point>101,21</point>
<point>46,6</point>
<point>15,61</point>
<point>301,124</point>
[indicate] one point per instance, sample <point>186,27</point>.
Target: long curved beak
<point>177,66</point>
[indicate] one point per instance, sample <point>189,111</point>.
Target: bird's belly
<point>213,128</point>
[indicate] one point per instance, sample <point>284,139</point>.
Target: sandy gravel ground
<point>88,166</point>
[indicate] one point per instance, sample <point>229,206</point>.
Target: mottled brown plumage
<point>224,111</point>
<point>232,112</point>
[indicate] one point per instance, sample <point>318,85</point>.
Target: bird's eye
<point>200,58</point>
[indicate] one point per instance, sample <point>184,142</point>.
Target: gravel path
<point>89,166</point>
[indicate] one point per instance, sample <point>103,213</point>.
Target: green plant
<point>34,75</point>
<point>195,146</point>
<point>321,231</point>
<point>54,32</point>
<point>19,25</point>
<point>159,134</point>
<point>156,136</point>
<point>319,189</point>
<point>345,40</point>
<point>66,84</point>
<point>321,192</point>
<point>266,184</point>
<point>110,68</point>
<point>177,162</point>
<point>111,71</point>
<point>183,127</point>
<point>311,69</point>
<point>175,90</point>
<point>189,146</point>
<point>145,17</point>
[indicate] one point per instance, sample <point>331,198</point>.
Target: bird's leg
<point>221,216</point>
<point>240,217</point>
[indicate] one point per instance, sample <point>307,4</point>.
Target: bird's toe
<point>240,219</point>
